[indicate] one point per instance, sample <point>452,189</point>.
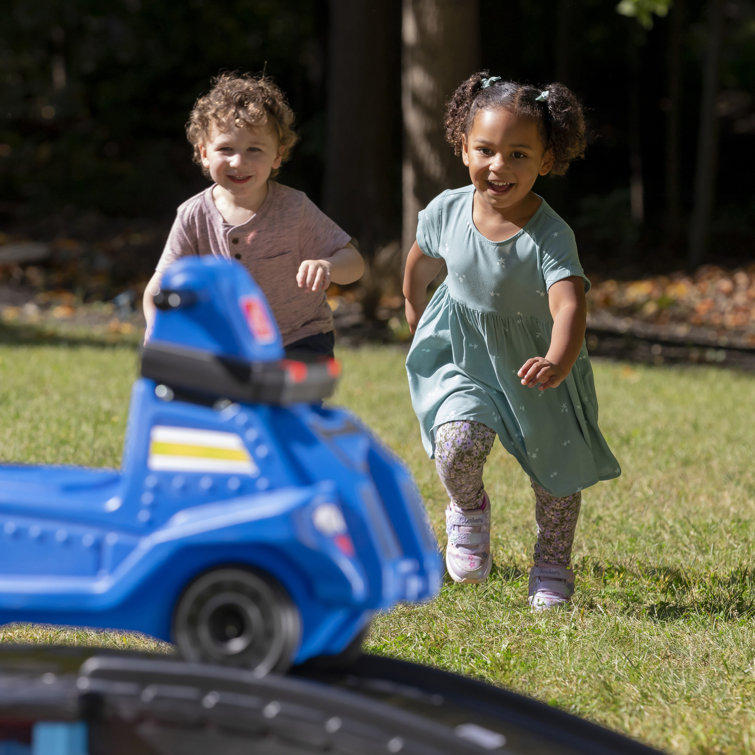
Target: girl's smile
<point>498,187</point>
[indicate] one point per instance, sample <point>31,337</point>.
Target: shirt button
<point>234,241</point>
<point>237,256</point>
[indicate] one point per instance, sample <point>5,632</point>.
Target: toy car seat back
<point>211,304</point>
<point>215,338</point>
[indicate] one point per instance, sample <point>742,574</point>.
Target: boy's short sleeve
<point>177,245</point>
<point>319,236</point>
<point>193,232</point>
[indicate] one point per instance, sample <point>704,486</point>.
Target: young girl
<point>499,349</point>
<point>242,131</point>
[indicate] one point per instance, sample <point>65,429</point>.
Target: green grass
<point>659,640</point>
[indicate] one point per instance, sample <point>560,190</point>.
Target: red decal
<point>258,319</point>
<point>345,545</point>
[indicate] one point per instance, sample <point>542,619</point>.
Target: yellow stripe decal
<point>200,452</point>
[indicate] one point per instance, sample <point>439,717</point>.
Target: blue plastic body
<point>292,488</point>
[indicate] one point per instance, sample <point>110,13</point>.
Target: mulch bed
<point>705,317</point>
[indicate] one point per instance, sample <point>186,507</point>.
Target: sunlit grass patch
<point>658,641</point>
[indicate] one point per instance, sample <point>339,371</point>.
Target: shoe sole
<point>538,604</point>
<point>467,579</point>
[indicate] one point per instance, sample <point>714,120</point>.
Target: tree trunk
<point>564,40</point>
<point>363,125</point>
<point>556,192</point>
<point>673,129</point>
<point>707,142</point>
<point>440,48</point>
<point>634,130</point>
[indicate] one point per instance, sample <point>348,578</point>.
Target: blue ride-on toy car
<point>249,524</point>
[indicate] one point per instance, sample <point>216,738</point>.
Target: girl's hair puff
<point>558,114</point>
<point>241,100</point>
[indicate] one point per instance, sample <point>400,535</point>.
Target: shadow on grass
<point>500,574</point>
<point>508,572</point>
<point>665,593</point>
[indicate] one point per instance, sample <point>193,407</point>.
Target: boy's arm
<point>419,273</point>
<point>344,266</point>
<point>178,244</point>
<point>148,304</point>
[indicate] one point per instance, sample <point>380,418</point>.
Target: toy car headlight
<point>328,520</point>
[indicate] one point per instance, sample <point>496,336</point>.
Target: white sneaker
<point>550,586</point>
<point>468,549</point>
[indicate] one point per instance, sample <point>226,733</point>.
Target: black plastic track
<point>159,705</point>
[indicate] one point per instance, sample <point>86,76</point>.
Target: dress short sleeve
<point>429,224</point>
<point>559,256</point>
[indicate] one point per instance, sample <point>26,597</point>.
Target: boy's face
<point>242,159</point>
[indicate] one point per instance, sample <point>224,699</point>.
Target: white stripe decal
<point>191,450</point>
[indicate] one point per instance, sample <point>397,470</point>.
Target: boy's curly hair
<point>558,114</point>
<point>242,100</point>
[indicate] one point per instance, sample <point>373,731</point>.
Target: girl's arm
<point>419,273</point>
<point>566,299</point>
<point>342,267</point>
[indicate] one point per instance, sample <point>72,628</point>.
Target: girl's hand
<point>412,315</point>
<point>566,299</point>
<point>314,275</point>
<point>542,373</point>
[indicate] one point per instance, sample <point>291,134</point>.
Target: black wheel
<point>237,617</point>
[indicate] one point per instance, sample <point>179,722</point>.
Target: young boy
<point>241,131</point>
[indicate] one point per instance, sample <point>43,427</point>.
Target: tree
<point>707,139</point>
<point>644,11</point>
<point>673,126</point>
<point>362,134</point>
<point>440,48</point>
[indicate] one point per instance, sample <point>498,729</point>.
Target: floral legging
<point>461,450</point>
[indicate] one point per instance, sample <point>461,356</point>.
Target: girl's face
<point>241,160</point>
<point>505,154</point>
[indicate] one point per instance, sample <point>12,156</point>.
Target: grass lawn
<point>659,642</point>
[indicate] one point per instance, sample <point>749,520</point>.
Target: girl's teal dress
<point>483,322</point>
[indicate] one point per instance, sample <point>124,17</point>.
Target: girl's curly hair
<point>558,114</point>
<point>241,100</point>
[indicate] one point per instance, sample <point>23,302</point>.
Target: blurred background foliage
<point>95,96</point>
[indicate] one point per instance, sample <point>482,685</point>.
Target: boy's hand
<point>314,275</point>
